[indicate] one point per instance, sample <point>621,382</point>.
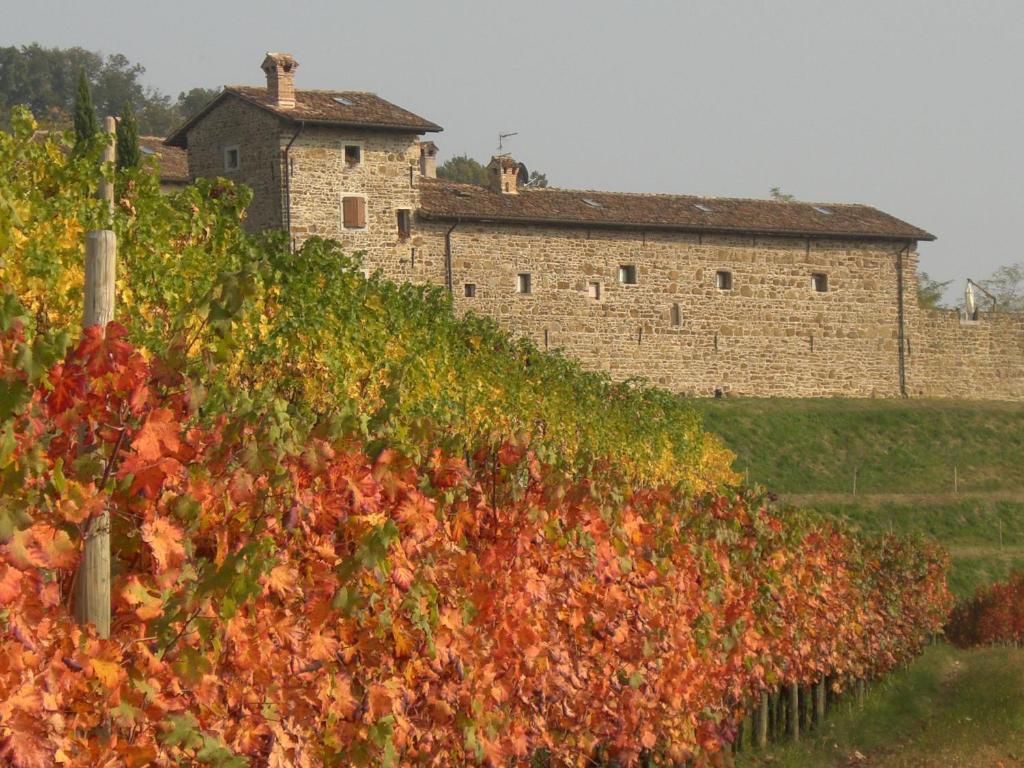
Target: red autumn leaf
<point>164,539</point>
<point>24,749</point>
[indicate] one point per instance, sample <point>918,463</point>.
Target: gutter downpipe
<point>448,279</point>
<point>288,183</point>
<point>901,318</point>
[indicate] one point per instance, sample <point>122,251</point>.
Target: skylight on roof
<point>821,209</point>
<point>343,101</point>
<point>702,207</point>
<point>591,203</point>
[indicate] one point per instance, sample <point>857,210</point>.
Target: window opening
<point>232,159</point>
<point>404,222</point>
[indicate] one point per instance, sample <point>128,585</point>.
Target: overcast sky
<point>913,106</point>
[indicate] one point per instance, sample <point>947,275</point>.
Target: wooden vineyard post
<point>794,711</point>
<point>762,722</point>
<point>819,702</point>
<point>92,590</point>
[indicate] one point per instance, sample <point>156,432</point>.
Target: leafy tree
<point>930,292</point>
<point>192,101</point>
<point>45,80</point>
<point>1007,285</point>
<point>463,169</point>
<point>86,126</point>
<point>779,196</point>
<point>128,154</point>
<point>537,179</point>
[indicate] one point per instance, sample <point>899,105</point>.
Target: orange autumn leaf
<point>164,539</point>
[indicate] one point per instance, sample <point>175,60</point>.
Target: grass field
<point>951,708</point>
<point>904,453</point>
<point>893,446</point>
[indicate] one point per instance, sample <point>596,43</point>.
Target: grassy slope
<point>904,452</point>
<point>897,446</point>
<point>951,708</point>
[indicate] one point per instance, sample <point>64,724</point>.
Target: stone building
<point>699,295</point>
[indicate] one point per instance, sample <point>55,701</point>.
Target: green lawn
<point>951,708</point>
<point>894,446</point>
<point>904,453</point>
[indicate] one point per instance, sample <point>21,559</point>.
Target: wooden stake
<point>819,703</point>
<point>762,722</point>
<point>794,711</point>
<point>92,585</point>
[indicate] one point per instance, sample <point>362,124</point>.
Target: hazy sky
<point>914,106</point>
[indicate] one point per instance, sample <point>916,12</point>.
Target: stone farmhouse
<point>699,295</point>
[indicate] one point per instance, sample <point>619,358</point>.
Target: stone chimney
<point>503,175</point>
<point>428,159</point>
<point>280,69</point>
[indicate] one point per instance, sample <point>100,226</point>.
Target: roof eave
<point>651,226</point>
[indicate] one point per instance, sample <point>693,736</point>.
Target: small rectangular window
<point>627,274</point>
<point>523,283</point>
<point>723,280</point>
<point>470,290</point>
<point>676,314</point>
<point>353,212</point>
<point>353,154</point>
<point>232,159</point>
<point>404,222</point>
<point>594,290</point>
<point>819,282</point>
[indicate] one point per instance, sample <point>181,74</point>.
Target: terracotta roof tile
<point>442,199</point>
<point>172,161</point>
<point>340,108</point>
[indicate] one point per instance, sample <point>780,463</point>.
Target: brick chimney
<point>502,175</point>
<point>428,159</point>
<point>280,69</point>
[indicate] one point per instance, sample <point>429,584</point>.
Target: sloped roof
<point>440,199</point>
<point>356,109</point>
<point>172,161</point>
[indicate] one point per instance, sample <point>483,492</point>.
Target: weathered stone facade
<point>257,137</point>
<point>770,334</point>
<point>386,177</point>
<point>771,305</point>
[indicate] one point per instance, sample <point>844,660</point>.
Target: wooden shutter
<point>353,211</point>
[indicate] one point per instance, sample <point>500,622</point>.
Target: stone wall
<point>771,334</point>
<point>975,360</point>
<point>256,133</point>
<point>387,177</point>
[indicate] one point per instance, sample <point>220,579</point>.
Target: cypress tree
<point>128,154</point>
<point>86,126</point>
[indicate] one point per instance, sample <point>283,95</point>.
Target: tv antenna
<point>501,140</point>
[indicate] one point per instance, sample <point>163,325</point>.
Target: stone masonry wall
<point>771,334</point>
<point>979,360</point>
<point>387,177</point>
<point>256,134</point>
